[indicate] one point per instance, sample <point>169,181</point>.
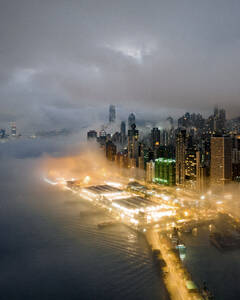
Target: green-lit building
<point>165,171</point>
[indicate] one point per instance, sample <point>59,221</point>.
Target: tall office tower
<point>202,172</point>
<point>141,156</point>
<point>112,114</point>
<point>131,120</point>
<point>122,159</point>
<point>123,132</point>
<point>111,150</point>
<point>148,155</point>
<point>236,158</point>
<point>123,128</point>
<point>164,138</point>
<point>133,144</point>
<point>155,138</point>
<point>181,144</point>
<point>219,120</point>
<point>102,137</point>
<point>116,137</point>
<point>221,159</point>
<point>190,159</point>
<point>92,135</point>
<point>150,171</point>
<point>13,129</point>
<point>222,119</point>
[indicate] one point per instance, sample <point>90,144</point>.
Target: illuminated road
<point>174,280</point>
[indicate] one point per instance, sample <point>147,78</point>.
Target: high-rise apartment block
<point>221,159</point>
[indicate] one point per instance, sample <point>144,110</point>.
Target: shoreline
<point>173,276</point>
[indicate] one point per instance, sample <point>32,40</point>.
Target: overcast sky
<point>65,60</point>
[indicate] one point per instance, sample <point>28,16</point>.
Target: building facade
<point>221,159</point>
<point>181,144</point>
<point>165,171</point>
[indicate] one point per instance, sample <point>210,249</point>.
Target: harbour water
<point>51,247</point>
<point>220,270</point>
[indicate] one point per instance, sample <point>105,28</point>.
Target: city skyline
<point>120,149</point>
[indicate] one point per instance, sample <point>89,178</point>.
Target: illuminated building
<point>181,144</point>
<point>150,171</point>
<point>92,135</point>
<point>202,172</point>
<point>165,138</point>
<point>165,171</point>
<point>132,209</point>
<point>132,163</point>
<point>102,137</point>
<point>190,160</point>
<point>236,159</point>
<point>141,162</point>
<point>111,150</point>
<point>221,159</point>
<point>155,138</point>
<point>148,155</point>
<point>164,151</point>
<point>133,144</point>
<point>112,114</point>
<point>131,120</point>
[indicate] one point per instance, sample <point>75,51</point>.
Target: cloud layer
<point>63,62</point>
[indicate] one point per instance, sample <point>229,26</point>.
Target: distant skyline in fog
<point>63,62</point>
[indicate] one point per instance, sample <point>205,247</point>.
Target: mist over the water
<point>51,247</point>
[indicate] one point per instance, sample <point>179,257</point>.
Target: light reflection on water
<point>53,249</point>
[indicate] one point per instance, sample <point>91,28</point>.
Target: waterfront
<point>51,247</point>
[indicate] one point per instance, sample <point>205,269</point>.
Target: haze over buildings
<point>120,114</point>
<point>63,61</point>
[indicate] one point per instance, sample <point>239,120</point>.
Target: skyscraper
<point>102,137</point>
<point>131,120</point>
<point>150,171</point>
<point>190,159</point>
<point>181,143</point>
<point>202,172</point>
<point>112,114</point>
<point>133,144</point>
<point>219,120</point>
<point>111,150</point>
<point>221,159</point>
<point>155,138</point>
<point>123,128</point>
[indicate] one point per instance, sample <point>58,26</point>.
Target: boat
<point>105,224</point>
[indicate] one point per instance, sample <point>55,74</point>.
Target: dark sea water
<point>51,248</point>
<point>221,270</point>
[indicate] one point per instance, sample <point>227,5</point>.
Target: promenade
<point>174,278</point>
